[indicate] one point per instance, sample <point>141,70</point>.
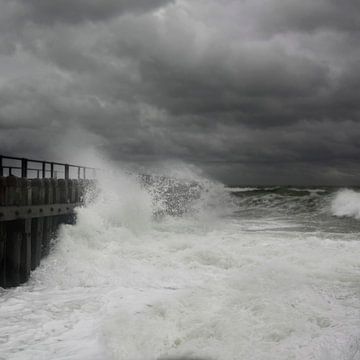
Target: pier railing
<point>32,168</point>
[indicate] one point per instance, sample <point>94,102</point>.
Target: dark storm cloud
<point>310,15</point>
<point>213,88</point>
<point>252,91</point>
<point>74,11</point>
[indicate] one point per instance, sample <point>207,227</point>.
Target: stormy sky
<point>249,91</point>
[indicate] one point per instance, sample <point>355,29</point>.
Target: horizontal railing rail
<point>51,168</point>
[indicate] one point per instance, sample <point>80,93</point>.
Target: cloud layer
<point>250,91</point>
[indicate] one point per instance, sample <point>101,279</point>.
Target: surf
<point>204,282</point>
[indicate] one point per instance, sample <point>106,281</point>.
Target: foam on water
<point>121,285</point>
<point>346,203</point>
<point>241,189</point>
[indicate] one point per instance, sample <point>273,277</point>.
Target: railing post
<point>79,171</point>
<point>67,172</point>
<point>1,166</point>
<point>24,168</point>
<point>52,170</point>
<point>43,170</point>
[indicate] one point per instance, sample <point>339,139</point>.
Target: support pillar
<point>37,224</point>
<point>2,254</point>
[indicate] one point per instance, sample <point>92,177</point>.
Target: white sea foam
<point>241,189</point>
<point>346,203</point>
<point>119,285</point>
<point>309,190</point>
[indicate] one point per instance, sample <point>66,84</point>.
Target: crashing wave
<point>346,204</point>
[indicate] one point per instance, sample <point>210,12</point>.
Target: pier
<point>36,197</point>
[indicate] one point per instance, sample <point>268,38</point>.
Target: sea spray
<point>346,203</point>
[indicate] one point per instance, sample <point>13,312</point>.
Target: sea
<point>194,269</point>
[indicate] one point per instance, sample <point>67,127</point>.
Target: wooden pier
<point>33,203</point>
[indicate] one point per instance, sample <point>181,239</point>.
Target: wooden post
<point>2,235</point>
<point>52,170</point>
<point>66,172</point>
<point>80,192</point>
<point>2,254</point>
<point>13,253</point>
<point>2,192</point>
<point>1,166</point>
<point>44,170</point>
<point>71,191</point>
<point>18,252</point>
<point>56,190</point>
<point>47,229</point>
<point>24,168</point>
<point>25,192</point>
<point>76,184</point>
<point>13,234</point>
<point>25,265</point>
<point>70,219</point>
<point>25,233</point>
<point>13,191</point>
<point>63,188</point>
<point>62,191</point>
<point>37,224</point>
<point>54,218</point>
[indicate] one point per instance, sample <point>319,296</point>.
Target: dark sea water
<point>326,209</point>
<point>205,272</point>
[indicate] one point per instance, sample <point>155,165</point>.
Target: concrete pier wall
<point>31,211</point>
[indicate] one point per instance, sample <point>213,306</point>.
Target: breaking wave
<point>281,200</point>
<point>346,203</point>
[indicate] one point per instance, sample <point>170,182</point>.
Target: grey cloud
<point>208,88</point>
<point>213,91</point>
<point>75,11</point>
<point>220,78</point>
<point>310,15</point>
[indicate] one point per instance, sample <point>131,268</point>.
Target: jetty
<point>36,197</point>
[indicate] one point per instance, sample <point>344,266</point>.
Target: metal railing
<point>10,165</point>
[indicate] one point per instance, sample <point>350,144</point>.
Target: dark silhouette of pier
<point>35,198</point>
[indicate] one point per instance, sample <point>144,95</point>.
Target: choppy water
<point>244,273</point>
